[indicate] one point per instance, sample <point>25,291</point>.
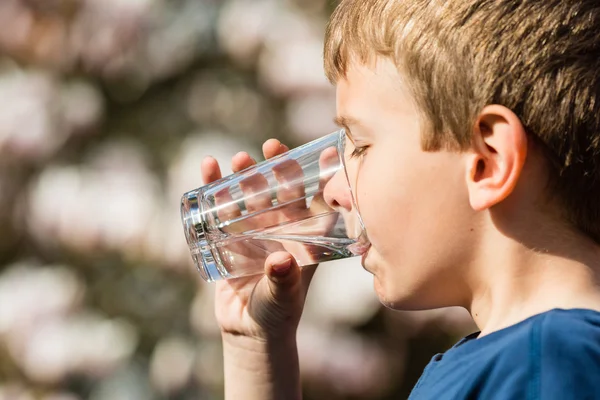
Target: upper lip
<point>365,251</point>
<point>360,249</point>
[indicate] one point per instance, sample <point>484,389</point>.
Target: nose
<point>337,192</point>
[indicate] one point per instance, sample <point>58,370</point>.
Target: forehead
<point>367,88</point>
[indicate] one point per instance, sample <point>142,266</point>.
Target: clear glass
<point>233,224</point>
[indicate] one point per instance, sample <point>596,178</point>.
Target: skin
<point>471,229</point>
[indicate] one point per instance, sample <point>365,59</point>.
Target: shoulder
<point>576,327</point>
<point>556,339</point>
<point>559,324</point>
<point>560,354</point>
<point>569,348</point>
<point>554,355</point>
<point>568,336</point>
<point>556,333</point>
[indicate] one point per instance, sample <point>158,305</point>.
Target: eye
<point>358,151</point>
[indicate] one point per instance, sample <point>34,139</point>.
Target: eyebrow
<point>344,121</point>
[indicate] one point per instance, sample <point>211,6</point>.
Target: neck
<point>524,279</point>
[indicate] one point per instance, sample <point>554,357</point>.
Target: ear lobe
<point>498,153</point>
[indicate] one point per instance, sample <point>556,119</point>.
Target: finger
<point>287,281</point>
<point>241,161</point>
<point>291,189</point>
<point>289,176</point>
<point>226,207</point>
<point>276,301</point>
<point>255,188</point>
<point>257,193</point>
<point>273,147</point>
<point>210,170</point>
<point>283,275</point>
<point>329,165</point>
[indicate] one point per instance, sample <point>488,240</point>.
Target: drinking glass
<point>233,224</point>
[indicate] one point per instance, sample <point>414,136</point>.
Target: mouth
<point>364,257</point>
<point>359,249</point>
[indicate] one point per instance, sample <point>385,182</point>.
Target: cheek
<point>404,203</point>
<point>381,200</point>
<point>385,220</point>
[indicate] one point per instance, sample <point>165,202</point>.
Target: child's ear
<point>497,156</point>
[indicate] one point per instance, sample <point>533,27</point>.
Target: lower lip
<point>364,256</point>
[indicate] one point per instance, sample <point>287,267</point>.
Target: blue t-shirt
<point>553,355</point>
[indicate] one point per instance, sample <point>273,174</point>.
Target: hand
<point>270,305</point>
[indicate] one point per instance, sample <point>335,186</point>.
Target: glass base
<point>210,269</point>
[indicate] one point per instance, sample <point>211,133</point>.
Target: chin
<point>382,295</point>
<point>400,300</point>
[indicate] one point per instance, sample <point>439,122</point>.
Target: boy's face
<point>414,204</point>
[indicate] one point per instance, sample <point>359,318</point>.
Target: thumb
<point>276,302</point>
<point>283,277</point>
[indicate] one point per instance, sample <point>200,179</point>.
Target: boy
<point>475,127</point>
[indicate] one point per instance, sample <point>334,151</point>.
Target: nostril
<point>336,192</point>
<point>329,198</point>
<point>338,197</point>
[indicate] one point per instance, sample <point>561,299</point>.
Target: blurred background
<point>107,108</point>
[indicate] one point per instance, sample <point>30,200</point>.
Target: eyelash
<point>358,151</point>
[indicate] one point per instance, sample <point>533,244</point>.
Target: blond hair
<point>539,58</point>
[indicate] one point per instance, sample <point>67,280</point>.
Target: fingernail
<point>281,268</point>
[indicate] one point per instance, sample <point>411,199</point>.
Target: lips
<point>364,256</point>
<point>359,249</point>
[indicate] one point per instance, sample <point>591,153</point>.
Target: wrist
<point>262,337</point>
<point>261,368</point>
<point>262,351</point>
